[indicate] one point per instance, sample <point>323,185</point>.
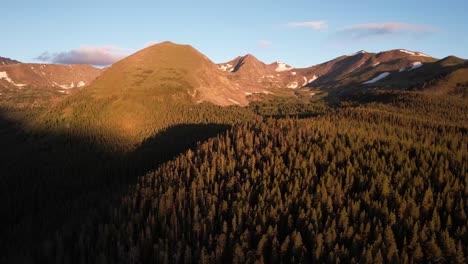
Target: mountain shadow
<point>52,183</point>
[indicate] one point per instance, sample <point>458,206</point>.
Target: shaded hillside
<point>5,61</point>
<point>75,174</point>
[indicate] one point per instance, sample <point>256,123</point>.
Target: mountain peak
<point>250,57</point>
<point>357,53</point>
<point>168,70</point>
<point>168,44</point>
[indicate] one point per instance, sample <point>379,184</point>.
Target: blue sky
<point>300,33</point>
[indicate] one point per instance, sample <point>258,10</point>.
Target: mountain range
<point>182,71</point>
<point>52,76</point>
<point>400,69</point>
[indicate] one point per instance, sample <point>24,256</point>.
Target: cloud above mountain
<point>380,29</point>
<point>94,55</point>
<point>309,24</point>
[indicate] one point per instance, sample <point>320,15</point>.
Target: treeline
<point>364,184</point>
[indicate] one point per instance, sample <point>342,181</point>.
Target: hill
<point>169,70</point>
<point>6,61</point>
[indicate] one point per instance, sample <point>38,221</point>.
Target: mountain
<point>249,71</point>
<point>396,70</point>
<point>52,76</point>
<point>349,65</point>
<point>446,76</point>
<point>155,88</point>
<point>170,70</point>
<point>6,61</point>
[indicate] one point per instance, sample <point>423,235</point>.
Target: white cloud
<point>264,43</point>
<point>309,24</point>
<point>375,29</point>
<point>94,55</point>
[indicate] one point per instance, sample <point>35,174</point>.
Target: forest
<point>377,178</point>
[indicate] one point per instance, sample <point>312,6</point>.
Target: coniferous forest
<point>380,178</point>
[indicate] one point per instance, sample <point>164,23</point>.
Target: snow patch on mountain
<point>282,67</point>
<point>357,53</point>
<point>359,66</point>
<point>65,86</point>
<point>315,77</point>
<point>415,65</point>
<point>376,64</point>
<point>407,52</point>
<point>378,78</point>
<point>225,67</point>
<point>413,53</point>
<point>233,101</point>
<point>292,85</point>
<point>81,84</point>
<point>4,75</point>
<point>423,54</point>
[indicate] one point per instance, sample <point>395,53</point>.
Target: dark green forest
<point>377,178</point>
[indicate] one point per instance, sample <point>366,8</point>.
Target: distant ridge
<point>249,71</point>
<point>6,61</point>
<point>47,76</point>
